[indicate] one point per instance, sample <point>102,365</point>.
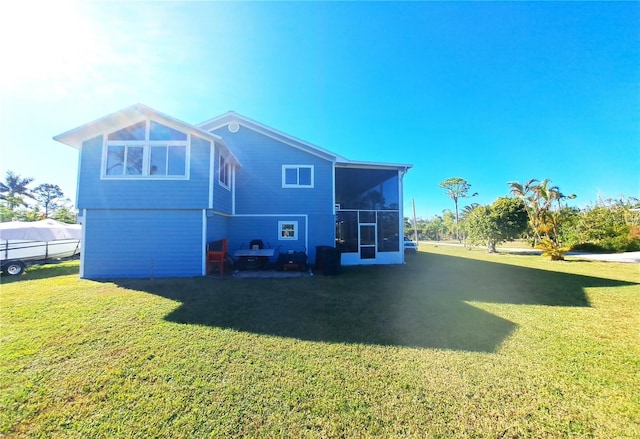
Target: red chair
<point>217,254</point>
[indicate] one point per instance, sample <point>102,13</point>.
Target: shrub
<point>552,249</point>
<point>588,247</point>
<point>614,244</point>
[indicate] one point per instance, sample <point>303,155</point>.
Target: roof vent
<point>233,127</point>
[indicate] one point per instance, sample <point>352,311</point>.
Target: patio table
<point>254,258</point>
<point>247,252</point>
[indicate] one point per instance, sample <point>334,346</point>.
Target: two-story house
<point>153,191</point>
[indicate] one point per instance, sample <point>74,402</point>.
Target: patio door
<point>367,241</point>
<point>367,231</point>
<point>368,236</point>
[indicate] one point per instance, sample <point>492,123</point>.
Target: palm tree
<point>524,192</point>
<point>539,197</point>
<point>14,189</point>
<point>466,211</point>
<point>457,188</point>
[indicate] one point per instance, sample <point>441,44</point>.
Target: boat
<point>37,242</point>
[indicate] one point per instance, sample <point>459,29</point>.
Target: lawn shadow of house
<point>423,304</point>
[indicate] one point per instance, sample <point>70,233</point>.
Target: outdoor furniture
<point>292,261</point>
<point>217,254</point>
<point>254,258</point>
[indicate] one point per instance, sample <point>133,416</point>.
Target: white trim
<point>217,212</point>
<point>382,258</point>
<point>212,172</point>
<point>233,190</point>
<point>227,185</point>
<point>306,234</point>
<point>401,213</point>
<point>375,240</point>
<point>132,114</point>
<point>272,214</point>
<point>292,142</point>
<point>204,242</point>
<point>369,210</point>
<point>79,173</point>
<point>373,165</point>
<point>284,215</point>
<point>333,190</point>
<point>295,230</point>
<point>83,242</point>
<point>146,144</point>
<point>298,185</point>
<point>231,116</point>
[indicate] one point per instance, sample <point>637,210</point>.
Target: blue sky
<point>491,92</point>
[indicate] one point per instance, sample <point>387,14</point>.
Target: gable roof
<point>134,113</point>
<point>128,116</point>
<point>231,117</point>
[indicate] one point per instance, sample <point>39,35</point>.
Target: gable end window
<point>297,176</point>
<point>225,173</point>
<point>146,149</point>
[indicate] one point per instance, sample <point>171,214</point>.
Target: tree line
<point>20,202</point>
<point>536,211</point>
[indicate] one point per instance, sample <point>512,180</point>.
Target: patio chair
<point>217,254</point>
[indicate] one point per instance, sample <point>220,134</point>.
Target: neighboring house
<point>153,190</point>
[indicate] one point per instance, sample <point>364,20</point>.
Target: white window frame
<point>223,162</point>
<point>281,235</point>
<point>167,144</point>
<point>146,144</point>
<point>297,168</point>
<point>127,144</point>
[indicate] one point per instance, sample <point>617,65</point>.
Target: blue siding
<point>221,195</point>
<point>259,181</point>
<point>95,193</point>
<point>243,229</point>
<point>313,230</point>
<point>142,243</point>
<point>322,231</point>
<point>259,192</point>
<point>217,226</point>
<point>154,227</point>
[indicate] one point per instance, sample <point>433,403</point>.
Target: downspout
<point>212,178</point>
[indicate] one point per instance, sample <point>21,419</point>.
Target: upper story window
<point>225,172</point>
<point>146,149</point>
<point>297,176</point>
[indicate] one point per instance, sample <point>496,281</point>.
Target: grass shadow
<point>421,304</point>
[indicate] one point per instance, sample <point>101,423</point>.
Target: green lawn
<point>455,343</point>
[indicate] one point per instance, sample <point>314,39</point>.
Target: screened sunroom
<point>369,214</point>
